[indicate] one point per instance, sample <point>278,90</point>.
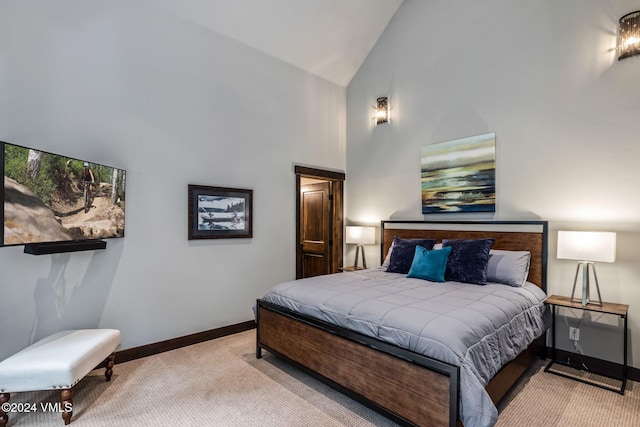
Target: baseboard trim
<point>175,343</point>
<point>599,366</point>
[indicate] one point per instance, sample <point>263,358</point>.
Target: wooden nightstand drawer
<point>350,268</point>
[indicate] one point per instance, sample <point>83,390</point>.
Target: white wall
<point>125,83</point>
<point>544,77</point>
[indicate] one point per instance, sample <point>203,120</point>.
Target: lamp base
<point>586,300</point>
<point>364,261</point>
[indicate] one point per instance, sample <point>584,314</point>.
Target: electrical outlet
<point>574,334</point>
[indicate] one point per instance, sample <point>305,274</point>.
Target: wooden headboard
<point>509,235</point>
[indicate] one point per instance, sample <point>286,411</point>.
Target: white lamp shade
<point>361,235</point>
<point>597,246</point>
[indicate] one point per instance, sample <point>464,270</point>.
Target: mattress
<point>478,328</point>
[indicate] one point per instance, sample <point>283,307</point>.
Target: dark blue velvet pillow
<point>429,265</point>
<point>468,260</point>
<point>404,251</point>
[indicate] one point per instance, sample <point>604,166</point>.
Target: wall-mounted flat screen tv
<point>51,198</point>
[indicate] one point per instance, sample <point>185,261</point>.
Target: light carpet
<point>221,383</point>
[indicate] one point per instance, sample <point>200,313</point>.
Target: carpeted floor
<point>221,383</point>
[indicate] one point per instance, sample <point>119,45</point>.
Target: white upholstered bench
<point>57,362</point>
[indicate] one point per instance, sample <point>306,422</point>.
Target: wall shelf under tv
<point>60,247</point>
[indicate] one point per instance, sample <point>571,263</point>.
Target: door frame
<point>336,219</point>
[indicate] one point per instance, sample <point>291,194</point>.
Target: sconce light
<point>360,236</point>
<point>382,110</point>
<point>629,36</point>
<point>586,247</point>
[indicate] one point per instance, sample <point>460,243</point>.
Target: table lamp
<point>587,247</point>
<point>360,236</point>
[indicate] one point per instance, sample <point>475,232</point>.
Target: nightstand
<point>350,268</point>
<point>607,308</point>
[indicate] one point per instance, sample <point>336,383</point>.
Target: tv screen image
<point>52,198</point>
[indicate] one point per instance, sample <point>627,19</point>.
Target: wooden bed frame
<point>407,387</point>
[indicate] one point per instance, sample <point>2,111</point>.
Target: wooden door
<point>322,237</point>
<point>315,228</point>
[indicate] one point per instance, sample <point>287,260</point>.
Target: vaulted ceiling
<point>328,38</point>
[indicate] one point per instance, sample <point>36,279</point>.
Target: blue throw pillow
<point>468,260</point>
<point>429,265</point>
<point>403,252</point>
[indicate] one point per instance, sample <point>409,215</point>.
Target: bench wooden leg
<point>4,417</point>
<point>109,367</point>
<point>66,396</point>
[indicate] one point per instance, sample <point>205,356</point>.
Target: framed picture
<point>459,175</point>
<point>220,213</point>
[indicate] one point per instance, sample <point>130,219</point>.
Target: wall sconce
<point>587,247</point>
<point>629,35</point>
<point>382,110</point>
<point>360,236</point>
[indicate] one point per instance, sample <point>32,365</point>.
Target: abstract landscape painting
<point>459,175</point>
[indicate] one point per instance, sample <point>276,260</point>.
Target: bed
<point>381,360</point>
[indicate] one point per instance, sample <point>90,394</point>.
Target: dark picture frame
<point>219,212</point>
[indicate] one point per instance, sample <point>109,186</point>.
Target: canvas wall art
<point>459,175</point>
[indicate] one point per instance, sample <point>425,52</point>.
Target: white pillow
<point>508,267</point>
<point>387,259</point>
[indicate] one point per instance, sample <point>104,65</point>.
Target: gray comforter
<point>479,328</point>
